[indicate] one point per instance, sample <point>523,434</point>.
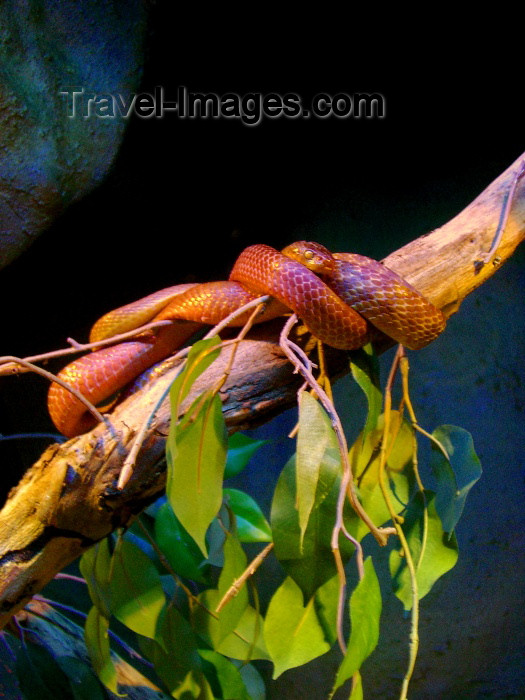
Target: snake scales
<point>343,299</point>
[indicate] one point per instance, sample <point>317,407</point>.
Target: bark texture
<point>68,500</point>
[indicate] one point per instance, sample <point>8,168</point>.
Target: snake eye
<point>308,254</point>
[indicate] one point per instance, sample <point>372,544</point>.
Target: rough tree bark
<point>68,500</point>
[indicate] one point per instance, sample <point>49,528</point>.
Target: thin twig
<point>33,436</point>
<point>386,430</point>
<point>404,366</point>
<point>238,583</point>
<point>235,344</point>
<point>70,577</point>
<point>504,215</point>
<point>234,314</point>
<point>295,355</point>
<point>53,378</point>
<point>289,348</point>
<point>336,553</point>
<point>192,599</point>
<point>297,358</point>
<point>9,366</point>
<point>414,636</point>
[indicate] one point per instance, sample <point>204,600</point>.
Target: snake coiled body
<point>343,299</point>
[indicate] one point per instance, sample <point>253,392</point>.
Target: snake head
<point>314,256</point>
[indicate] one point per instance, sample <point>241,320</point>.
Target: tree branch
<point>68,499</point>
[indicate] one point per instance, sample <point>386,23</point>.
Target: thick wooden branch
<point>68,500</point>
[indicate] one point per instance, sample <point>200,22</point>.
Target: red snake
<point>342,298</point>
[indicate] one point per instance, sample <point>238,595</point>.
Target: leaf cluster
<point>180,580</point>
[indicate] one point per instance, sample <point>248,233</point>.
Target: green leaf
<point>185,448</point>
<point>308,560</point>
<point>292,631</point>
<point>241,448</point>
<point>137,597</point>
<point>95,565</point>
<point>364,366</point>
<point>357,687</point>
<point>225,675</point>
<point>196,686</point>
<point>326,601</point>
<point>97,644</point>
<point>216,536</point>
<point>174,654</point>
<point>253,681</point>
<point>39,674</point>
<point>125,584</point>
<point>215,629</point>
<point>144,545</point>
<point>236,631</point>
<point>200,357</point>
<point>178,547</point>
<point>252,526</point>
<point>316,441</point>
<point>365,459</point>
<point>84,684</point>
<point>246,641</point>
<point>196,459</point>
<point>433,552</point>
<point>365,613</point>
<point>455,475</point>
